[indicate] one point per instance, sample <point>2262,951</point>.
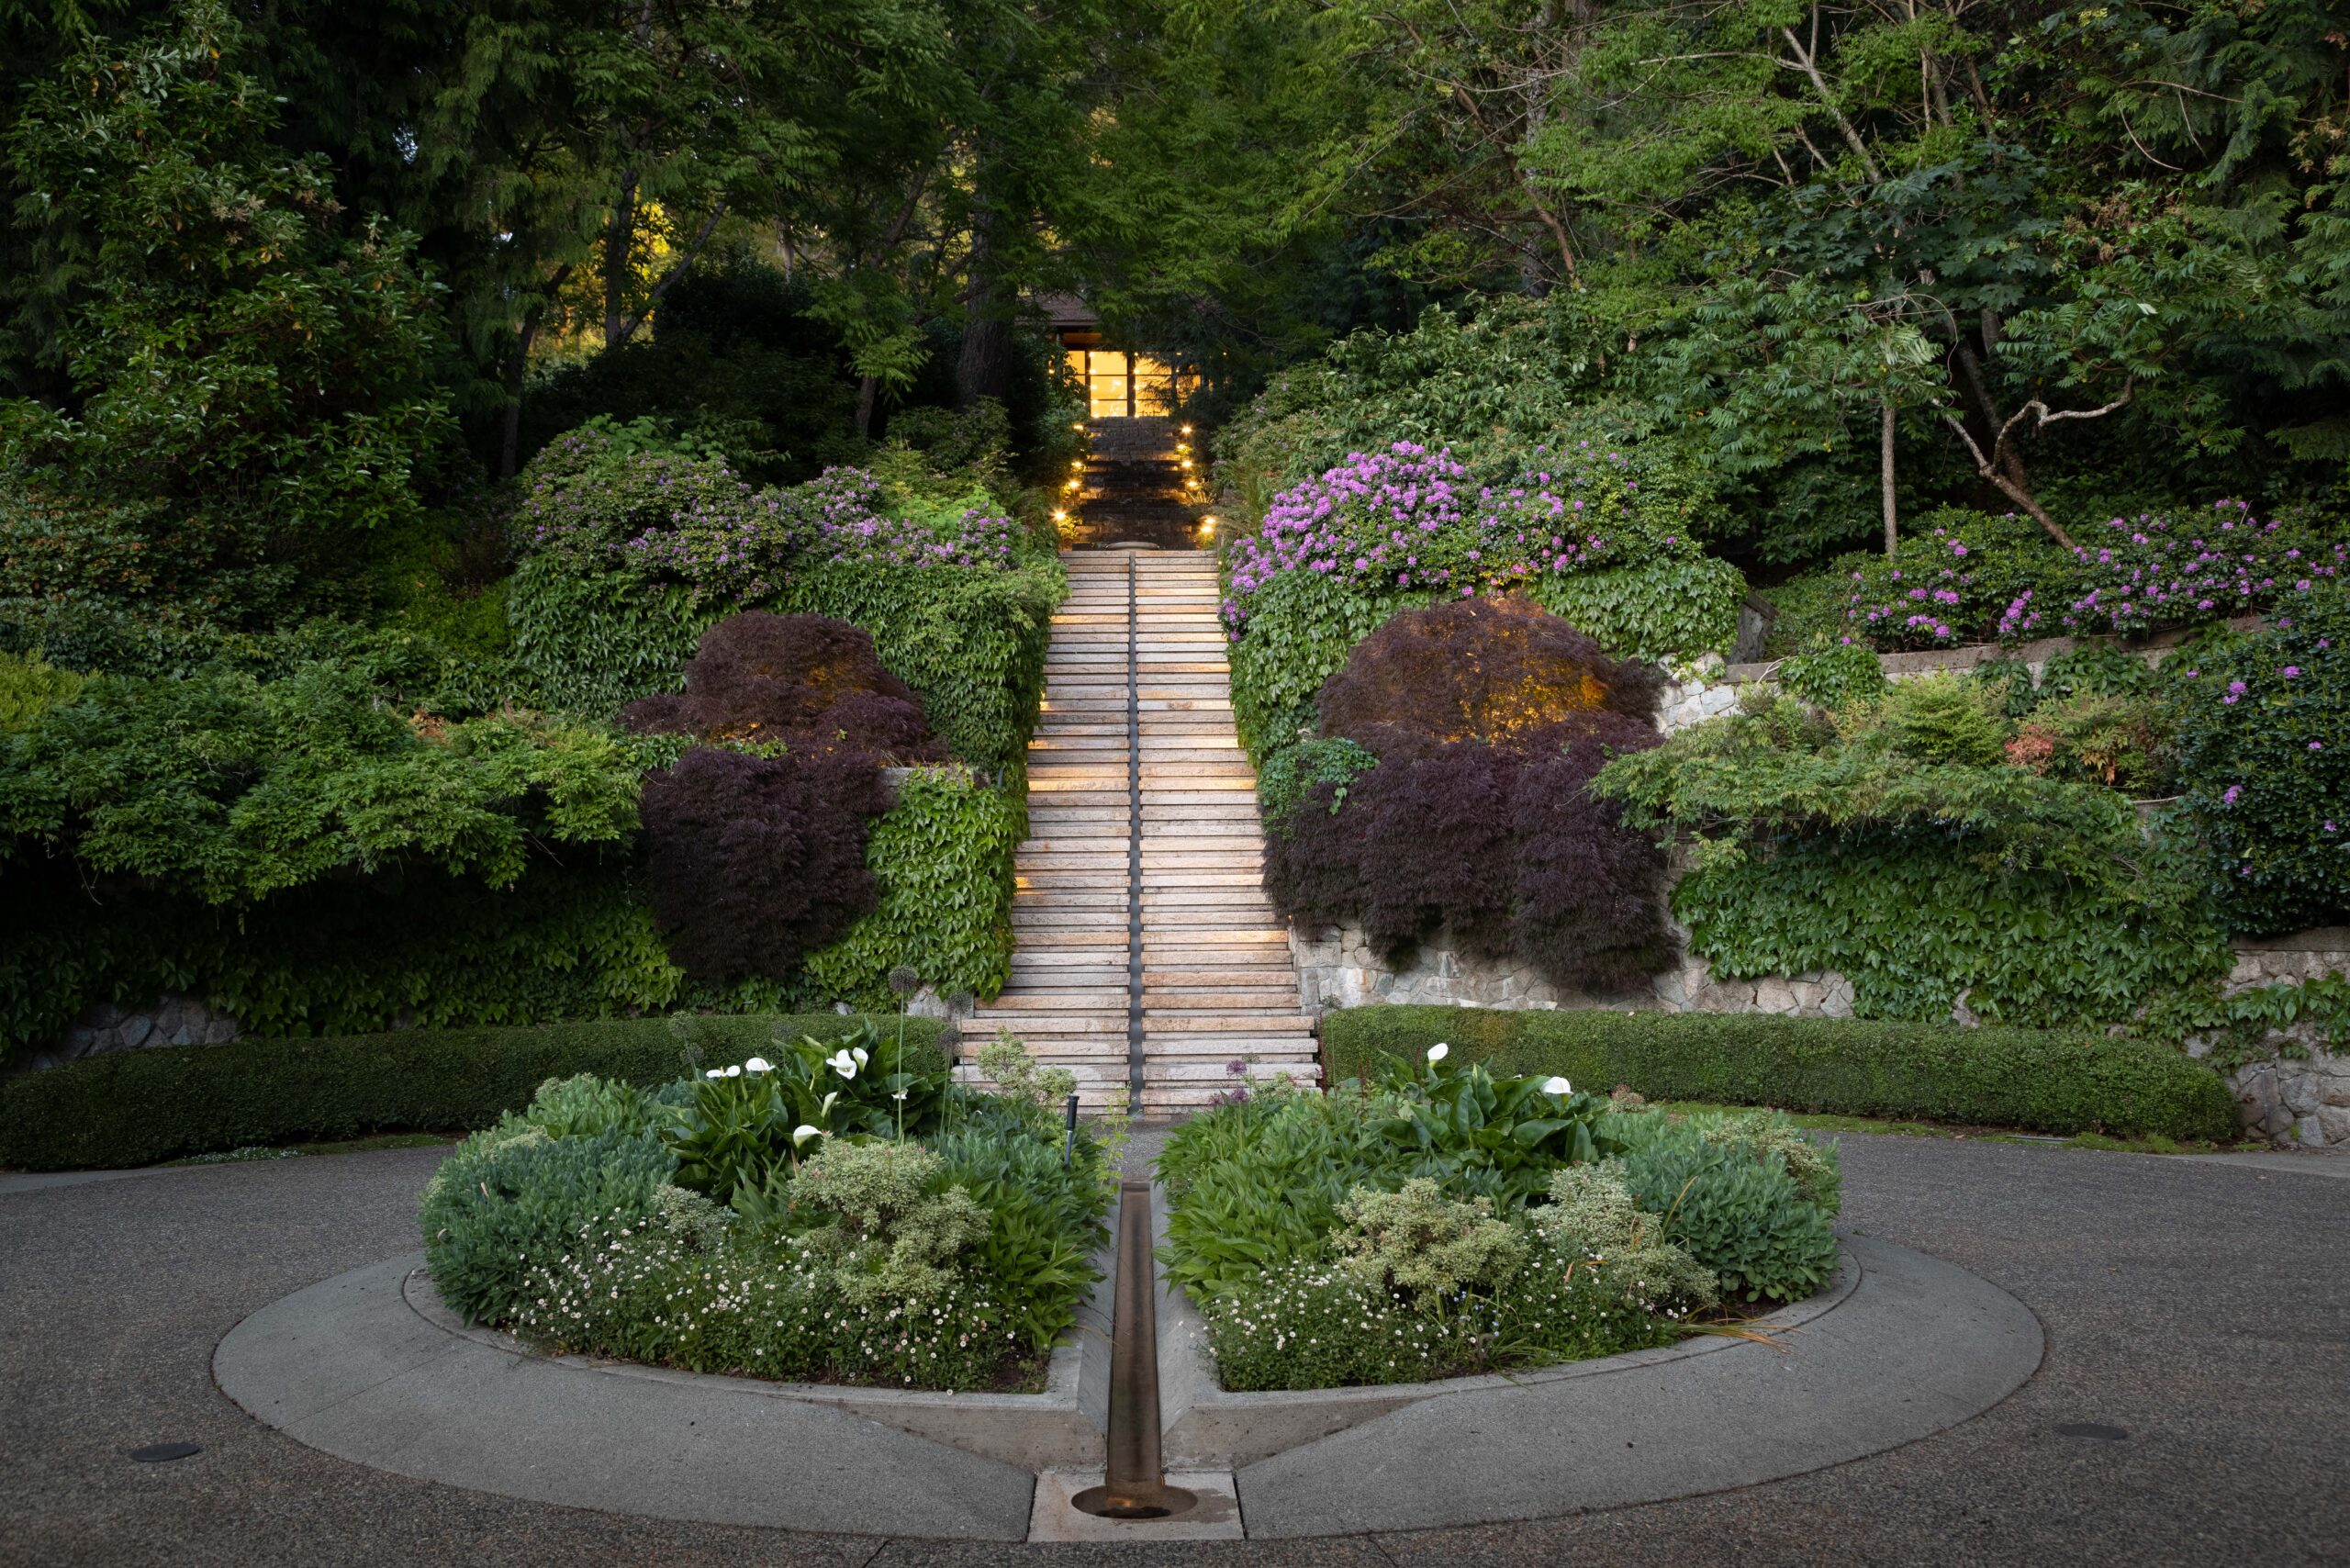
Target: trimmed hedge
<point>2043,1081</point>
<point>137,1107</point>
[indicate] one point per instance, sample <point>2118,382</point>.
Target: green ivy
<point>1914,921</point>
<point>1654,612</point>
<point>1301,629</point>
<point>942,856</point>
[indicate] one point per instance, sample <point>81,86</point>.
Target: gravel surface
<point>2202,1309</point>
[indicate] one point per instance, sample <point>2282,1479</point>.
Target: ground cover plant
<point>832,1210</point>
<point>1433,1218</point>
<point>1446,794</point>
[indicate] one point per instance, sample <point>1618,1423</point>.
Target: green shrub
<point>136,1107</point>
<point>1835,675</point>
<point>1655,610</point>
<point>512,1198</point>
<point>1902,847</point>
<point>1735,1207</point>
<point>942,859</point>
<point>1423,1246</point>
<point>2040,1080</point>
<point>863,1256</point>
<point>2264,759</point>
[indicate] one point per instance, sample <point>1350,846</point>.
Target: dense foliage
<point>1905,844</point>
<point>801,682</point>
<point>2041,1081</point>
<point>755,862</point>
<point>2262,756</point>
<point>1450,796</point>
<point>1442,1220</point>
<point>136,1107</point>
<point>843,1215</point>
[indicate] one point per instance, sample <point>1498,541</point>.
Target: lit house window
<point>1122,386</point>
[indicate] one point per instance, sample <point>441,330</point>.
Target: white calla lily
<point>715,1072</point>
<point>1557,1086</point>
<point>734,1072</point>
<point>1439,1051</point>
<point>805,1131</point>
<point>826,1108</point>
<point>842,1063</point>
<point>758,1064</point>
<point>858,1052</point>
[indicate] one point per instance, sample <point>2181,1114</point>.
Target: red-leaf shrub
<point>809,682</point>
<point>757,861</point>
<point>1488,719</point>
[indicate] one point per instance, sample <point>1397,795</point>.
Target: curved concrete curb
<point>1913,1346</point>
<point>348,1367</point>
<point>1901,1347</point>
<point>1066,1423</point>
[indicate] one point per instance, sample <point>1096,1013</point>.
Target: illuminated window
<point>1121,385</point>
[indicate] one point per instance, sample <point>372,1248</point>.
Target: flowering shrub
<point>598,505</point>
<point>2263,759</point>
<point>2156,571</point>
<point>1948,584</point>
<point>1407,519</point>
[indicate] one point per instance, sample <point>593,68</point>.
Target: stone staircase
<point>1149,958</point>
<point>1133,488</point>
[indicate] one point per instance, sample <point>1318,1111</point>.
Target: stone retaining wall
<point>2303,1098</point>
<point>170,1019</point>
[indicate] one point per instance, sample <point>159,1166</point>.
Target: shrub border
<point>2038,1080</point>
<point>137,1107</point>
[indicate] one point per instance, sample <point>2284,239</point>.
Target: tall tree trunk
<point>620,244</point>
<point>518,366</point>
<point>983,368</point>
<point>1884,479</point>
<point>866,388</point>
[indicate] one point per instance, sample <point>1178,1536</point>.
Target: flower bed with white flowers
<point>840,1214</point>
<point>1440,1221</point>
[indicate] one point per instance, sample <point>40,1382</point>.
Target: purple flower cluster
<point>841,518</point>
<point>1911,604</point>
<point>663,517</point>
<point>1407,517</point>
<point>2155,572</point>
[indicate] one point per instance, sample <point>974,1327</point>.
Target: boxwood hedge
<point>2042,1080</point>
<point>136,1107</point>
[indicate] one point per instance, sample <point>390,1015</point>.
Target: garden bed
<point>1441,1221</point>
<point>841,1216</point>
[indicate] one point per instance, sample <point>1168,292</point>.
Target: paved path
<point>2202,1309</point>
<point>1144,830</point>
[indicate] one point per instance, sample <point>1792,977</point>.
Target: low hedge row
<point>2042,1080</point>
<point>137,1107</point>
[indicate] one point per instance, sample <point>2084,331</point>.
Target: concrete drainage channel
<point>370,1367</point>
